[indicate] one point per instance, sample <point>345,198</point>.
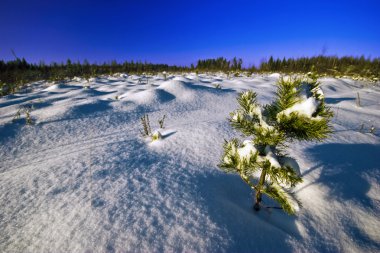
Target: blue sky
<point>180,32</point>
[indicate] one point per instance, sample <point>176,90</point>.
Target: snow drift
<point>82,178</point>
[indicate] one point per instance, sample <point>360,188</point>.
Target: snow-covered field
<point>82,178</point>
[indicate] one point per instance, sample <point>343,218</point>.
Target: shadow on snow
<point>345,168</point>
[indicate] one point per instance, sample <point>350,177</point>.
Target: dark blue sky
<point>180,32</point>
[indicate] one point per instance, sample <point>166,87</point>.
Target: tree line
<point>219,64</point>
<point>16,73</point>
<point>325,65</point>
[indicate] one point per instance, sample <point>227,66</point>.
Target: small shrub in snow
<point>143,80</point>
<point>298,113</point>
<point>147,131</point>
<point>27,111</point>
<point>4,89</point>
<point>161,121</point>
<point>367,129</point>
<point>358,99</point>
<point>87,76</point>
<point>217,86</point>
<point>146,126</point>
<point>361,128</point>
<point>123,75</point>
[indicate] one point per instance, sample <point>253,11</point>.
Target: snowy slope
<point>82,178</point>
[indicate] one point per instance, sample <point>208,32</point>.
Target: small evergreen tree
<point>297,113</point>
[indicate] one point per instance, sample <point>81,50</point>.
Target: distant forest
<point>16,73</point>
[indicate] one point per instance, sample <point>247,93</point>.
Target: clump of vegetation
<point>147,131</point>
<point>218,86</point>
<point>298,113</point>
<point>87,76</point>
<point>24,110</point>
<point>143,80</point>
<point>3,89</point>
<point>372,129</point>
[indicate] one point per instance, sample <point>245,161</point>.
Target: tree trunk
<point>256,206</point>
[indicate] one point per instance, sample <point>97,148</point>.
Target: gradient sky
<point>180,32</point>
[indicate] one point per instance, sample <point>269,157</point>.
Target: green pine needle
<point>271,131</point>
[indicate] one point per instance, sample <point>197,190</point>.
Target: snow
<point>275,75</point>
<point>305,108</point>
<point>247,150</point>
<point>272,158</point>
<point>179,88</point>
<point>84,179</point>
<point>292,163</point>
<point>318,93</point>
<point>254,112</point>
<point>156,135</point>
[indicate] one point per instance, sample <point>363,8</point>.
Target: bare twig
<point>161,122</point>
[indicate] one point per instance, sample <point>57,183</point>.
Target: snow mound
<point>192,76</point>
<point>275,75</point>
<point>55,87</point>
<point>77,79</point>
<point>93,79</point>
<point>151,96</point>
<point>181,78</point>
<point>181,90</point>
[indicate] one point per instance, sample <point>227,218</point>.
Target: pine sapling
<point>298,113</point>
